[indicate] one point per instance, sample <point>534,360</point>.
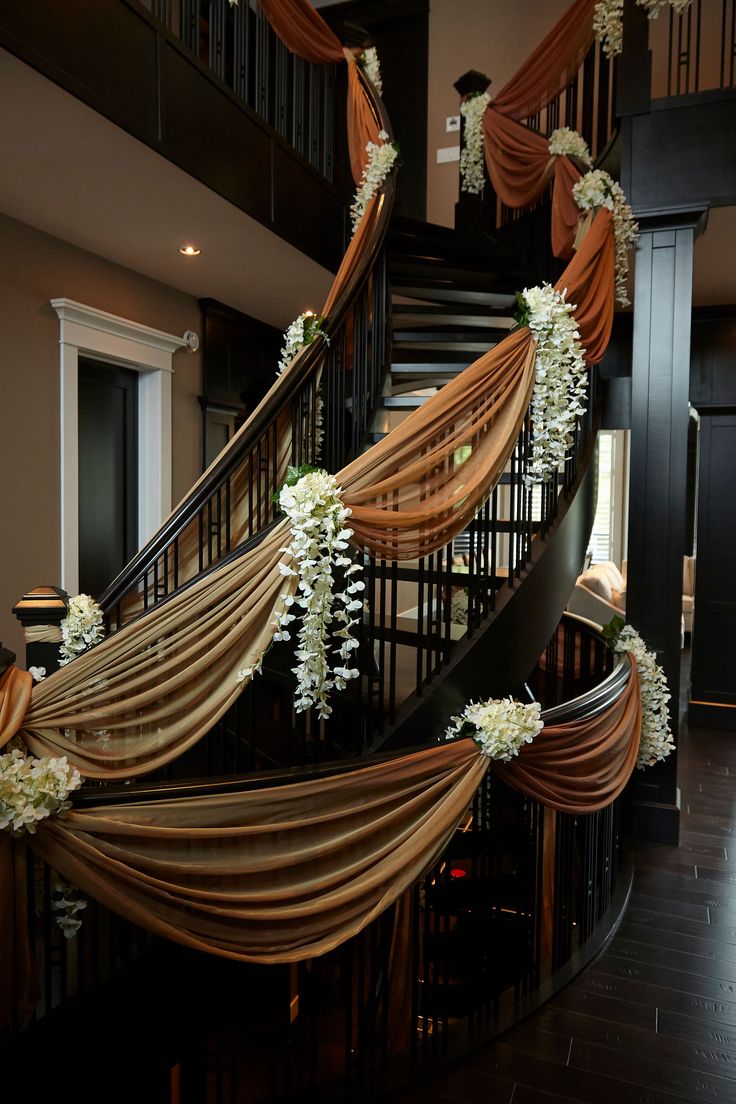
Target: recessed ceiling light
<point>190,251</point>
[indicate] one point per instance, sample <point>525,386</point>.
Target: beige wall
<point>488,35</point>
<point>35,268</point>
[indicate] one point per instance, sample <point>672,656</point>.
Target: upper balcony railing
<point>695,51</point>
<point>236,42</point>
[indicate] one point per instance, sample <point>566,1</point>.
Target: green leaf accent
<point>612,631</point>
<point>313,324</point>
<point>521,314</point>
<point>293,475</point>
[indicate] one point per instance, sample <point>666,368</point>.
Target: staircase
<point>451,301</point>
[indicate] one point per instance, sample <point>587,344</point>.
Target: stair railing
<point>336,379</point>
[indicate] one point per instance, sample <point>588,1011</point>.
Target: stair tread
<point>432,292</point>
<point>418,368</point>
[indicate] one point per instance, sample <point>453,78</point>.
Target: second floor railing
<point>694,51</point>
<point>236,42</point>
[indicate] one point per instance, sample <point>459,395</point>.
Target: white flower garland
<point>499,726</point>
<point>560,383</point>
<point>302,332</point>
<point>608,20</point>
<point>319,539</point>
<point>38,674</point>
<point>369,62</point>
<point>32,789</point>
<point>565,142</point>
<point>656,737</point>
<point>472,167</point>
<point>598,189</point>
<point>66,902</point>
<point>82,627</point>
<point>381,157</point>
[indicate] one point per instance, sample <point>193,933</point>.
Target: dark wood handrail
<point>281,394</point>
<point>589,704</point>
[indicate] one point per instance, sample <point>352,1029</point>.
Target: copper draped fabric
<point>581,766</point>
<point>15,696</point>
<point>415,490</point>
<point>303,30</point>
<point>270,875</point>
<point>551,67</point>
<point>145,694</point>
<point>362,125</point>
<point>290,872</point>
<point>520,167</point>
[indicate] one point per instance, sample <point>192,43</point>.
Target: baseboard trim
<point>653,821</point>
<point>704,714</point>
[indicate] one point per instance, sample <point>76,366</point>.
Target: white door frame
<point>113,340</point>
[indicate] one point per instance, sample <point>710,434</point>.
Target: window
<point>608,538</point>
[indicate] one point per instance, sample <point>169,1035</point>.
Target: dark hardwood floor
<point>653,1019</point>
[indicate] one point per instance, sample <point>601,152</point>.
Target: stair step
<point>447,337</point>
<point>416,289</point>
<point>403,402</point>
<point>495,318</point>
<point>444,347</point>
<point>410,368</point>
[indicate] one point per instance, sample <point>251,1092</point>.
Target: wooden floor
<point>653,1020</point>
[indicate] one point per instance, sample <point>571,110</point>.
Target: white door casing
<point>87,331</point>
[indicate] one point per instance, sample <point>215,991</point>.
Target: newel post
<point>469,208</point>
<point>41,612</point>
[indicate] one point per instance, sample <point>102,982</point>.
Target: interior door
<point>108,472</point>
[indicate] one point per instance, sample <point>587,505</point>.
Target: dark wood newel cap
<point>44,605</point>
<point>470,82</point>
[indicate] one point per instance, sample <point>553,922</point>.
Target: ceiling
<point>70,172</point>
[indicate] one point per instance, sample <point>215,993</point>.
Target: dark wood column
<point>657,507</point>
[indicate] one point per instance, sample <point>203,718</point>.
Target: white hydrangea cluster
<point>566,142</point>
<point>381,157</point>
<point>598,189</point>
<point>560,380</point>
<point>32,789</point>
<point>656,737</point>
<point>66,902</point>
<point>608,20</point>
<point>82,627</point>
<point>300,333</point>
<point>472,168</point>
<point>499,726</point>
<point>372,66</point>
<point>319,540</point>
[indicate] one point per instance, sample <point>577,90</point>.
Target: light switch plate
<point>449,153</point>
<point>452,123</point>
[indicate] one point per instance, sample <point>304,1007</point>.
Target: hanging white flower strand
<point>608,20</point>
<point>369,62</point>
<point>472,167</point>
<point>319,540</point>
<point>565,142</point>
<point>598,189</point>
<point>302,332</point>
<point>32,789</point>
<point>381,157</point>
<point>560,380</point>
<point>82,627</point>
<point>66,903</point>
<point>499,726</point>
<point>656,741</point>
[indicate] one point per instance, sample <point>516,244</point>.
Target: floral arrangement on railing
<point>566,142</point>
<point>472,168</point>
<point>66,903</point>
<point>32,789</point>
<point>499,726</point>
<point>598,189</point>
<point>319,540</point>
<point>302,332</point>
<point>381,158</point>
<point>656,736</point>
<point>82,627</point>
<point>608,20</point>
<point>560,378</point>
<point>369,63</point>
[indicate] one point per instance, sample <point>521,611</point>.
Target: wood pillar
<point>41,612</point>
<point>657,506</point>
